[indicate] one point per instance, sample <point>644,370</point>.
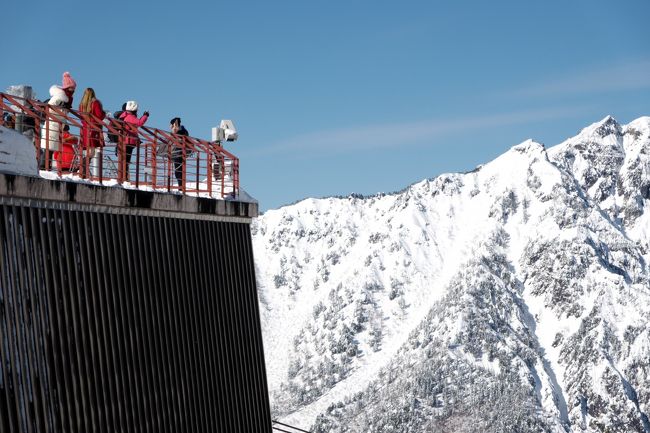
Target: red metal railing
<point>160,160</point>
<point>286,428</point>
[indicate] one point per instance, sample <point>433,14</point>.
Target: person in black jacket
<point>9,121</point>
<point>118,113</point>
<point>177,152</point>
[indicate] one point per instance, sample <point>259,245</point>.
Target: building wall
<point>126,320</point>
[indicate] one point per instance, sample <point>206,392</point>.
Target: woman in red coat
<point>91,134</point>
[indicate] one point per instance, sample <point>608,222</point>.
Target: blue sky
<point>336,97</point>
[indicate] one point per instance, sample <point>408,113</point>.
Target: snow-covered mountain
<point>515,297</point>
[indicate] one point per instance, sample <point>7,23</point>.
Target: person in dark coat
<point>9,120</point>
<point>177,152</point>
<point>116,130</point>
<point>117,114</point>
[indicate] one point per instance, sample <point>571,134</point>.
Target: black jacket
<point>183,131</point>
<point>178,151</point>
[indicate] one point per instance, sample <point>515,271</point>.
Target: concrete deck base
<point>25,187</point>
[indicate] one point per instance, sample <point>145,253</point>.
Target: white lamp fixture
<point>224,132</point>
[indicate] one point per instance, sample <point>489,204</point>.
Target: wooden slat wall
<point>128,323</point>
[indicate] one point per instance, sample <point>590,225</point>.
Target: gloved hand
<point>146,113</point>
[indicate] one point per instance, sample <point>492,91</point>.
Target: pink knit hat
<point>68,82</point>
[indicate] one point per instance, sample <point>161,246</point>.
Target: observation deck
<point>208,170</point>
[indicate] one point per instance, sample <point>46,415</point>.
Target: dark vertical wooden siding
<point>128,323</point>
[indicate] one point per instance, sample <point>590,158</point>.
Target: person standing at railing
<point>131,139</point>
<point>114,137</point>
<point>92,139</point>
<point>69,86</point>
<point>65,157</point>
<point>9,120</point>
<point>24,123</point>
<point>177,152</point>
<point>52,126</point>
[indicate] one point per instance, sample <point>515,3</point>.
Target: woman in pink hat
<point>61,98</point>
<point>69,85</point>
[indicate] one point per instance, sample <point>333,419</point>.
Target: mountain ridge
<point>358,276</point>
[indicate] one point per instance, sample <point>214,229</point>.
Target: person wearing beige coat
<point>52,128</point>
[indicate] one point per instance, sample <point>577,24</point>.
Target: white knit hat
<point>131,106</point>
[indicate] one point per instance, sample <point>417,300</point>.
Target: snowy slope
<point>521,284</point>
<point>17,154</point>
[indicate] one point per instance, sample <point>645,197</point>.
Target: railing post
<point>154,165</point>
<point>209,174</point>
<point>222,174</point>
<point>137,161</point>
<point>84,156</point>
<point>37,141</point>
<point>197,169</point>
<point>183,169</point>
<point>235,182</point>
<point>169,166</point>
<point>145,168</point>
<point>101,163</point>
<point>58,152</point>
<point>46,165</point>
<point>121,157</point>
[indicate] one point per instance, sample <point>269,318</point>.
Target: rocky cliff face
<point>511,298</point>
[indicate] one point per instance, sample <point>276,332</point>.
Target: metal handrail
<point>295,429</point>
<point>205,168</point>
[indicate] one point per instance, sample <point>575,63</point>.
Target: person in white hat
<point>130,116</point>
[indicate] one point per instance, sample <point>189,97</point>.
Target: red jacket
<point>132,119</point>
<point>65,157</point>
<point>93,137</point>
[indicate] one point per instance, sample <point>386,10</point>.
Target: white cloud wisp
<point>404,134</point>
